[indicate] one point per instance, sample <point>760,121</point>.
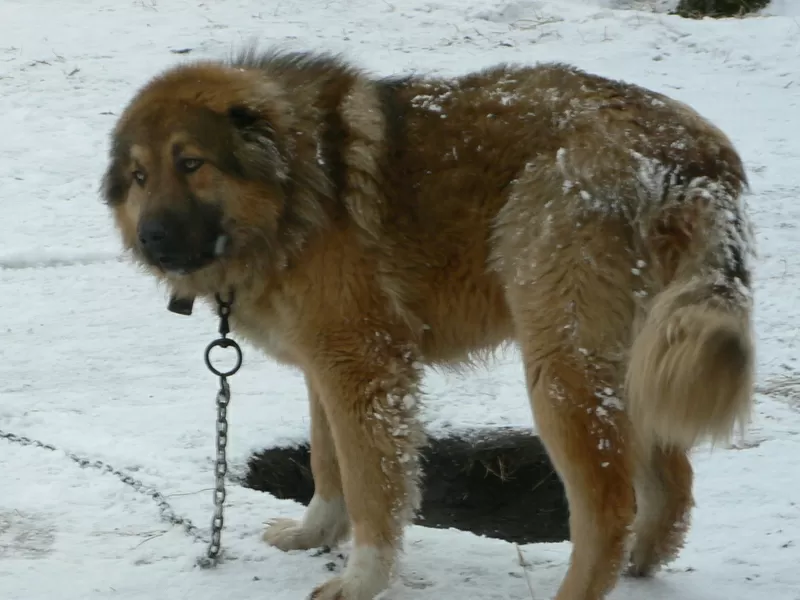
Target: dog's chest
<point>264,333</point>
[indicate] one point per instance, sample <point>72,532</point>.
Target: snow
<point>94,364</point>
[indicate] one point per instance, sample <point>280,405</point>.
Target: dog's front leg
<point>369,385</point>
<point>325,522</point>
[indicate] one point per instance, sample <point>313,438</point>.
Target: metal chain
<point>168,514</point>
<point>223,399</point>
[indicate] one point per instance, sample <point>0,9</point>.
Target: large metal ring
<point>224,343</point>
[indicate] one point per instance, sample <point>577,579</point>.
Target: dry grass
<point>787,386</point>
<point>523,564</point>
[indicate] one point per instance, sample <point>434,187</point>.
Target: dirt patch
<point>496,483</point>
<point>697,9</point>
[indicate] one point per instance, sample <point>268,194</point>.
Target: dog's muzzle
<point>181,245</point>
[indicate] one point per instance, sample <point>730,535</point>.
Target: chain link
<point>220,470</point>
<point>223,399</point>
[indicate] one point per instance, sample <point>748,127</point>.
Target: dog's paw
<point>366,576</point>
<point>643,563</point>
<point>333,589</point>
<point>325,524</point>
<point>288,534</point>
<point>639,571</point>
<point>342,588</point>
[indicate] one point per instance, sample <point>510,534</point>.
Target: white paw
<point>325,524</point>
<point>333,589</point>
<point>367,574</point>
<point>287,534</point>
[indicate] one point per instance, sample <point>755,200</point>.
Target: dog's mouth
<point>182,263</point>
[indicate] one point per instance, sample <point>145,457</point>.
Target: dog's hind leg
<point>325,522</point>
<point>663,483</point>
<point>587,434</point>
<point>569,290</point>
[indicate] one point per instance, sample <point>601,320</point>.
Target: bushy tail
<point>691,372</point>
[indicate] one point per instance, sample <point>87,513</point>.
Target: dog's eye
<point>189,165</point>
<point>139,176</point>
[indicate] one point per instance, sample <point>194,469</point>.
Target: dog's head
<point>199,175</point>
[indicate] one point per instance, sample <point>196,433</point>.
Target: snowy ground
<point>93,363</point>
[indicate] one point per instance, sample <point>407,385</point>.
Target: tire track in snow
<point>42,260</point>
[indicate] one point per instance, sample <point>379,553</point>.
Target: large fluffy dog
<point>372,227</point>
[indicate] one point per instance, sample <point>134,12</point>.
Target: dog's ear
<point>259,152</point>
<point>251,122</point>
<point>242,116</point>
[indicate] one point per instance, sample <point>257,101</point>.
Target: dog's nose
<point>152,233</point>
<point>157,241</point>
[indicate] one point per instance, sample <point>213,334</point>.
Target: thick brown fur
<point>374,227</point>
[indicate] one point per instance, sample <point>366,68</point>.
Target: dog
<point>373,227</point>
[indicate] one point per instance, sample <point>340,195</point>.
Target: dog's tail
<point>691,369</point>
